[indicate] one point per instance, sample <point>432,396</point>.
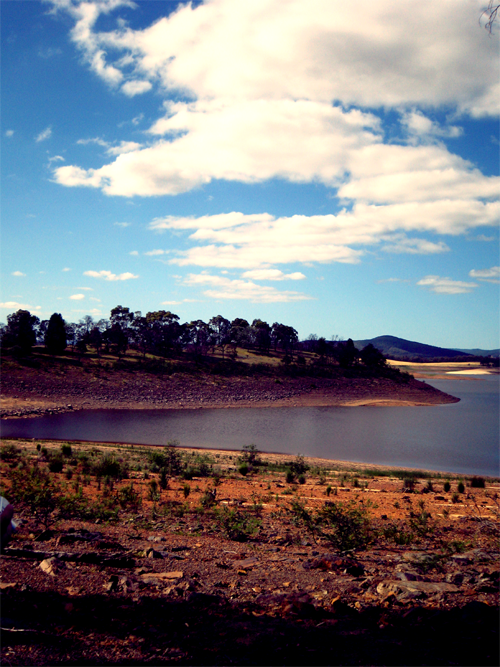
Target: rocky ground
<point>165,583</point>
<point>58,387</point>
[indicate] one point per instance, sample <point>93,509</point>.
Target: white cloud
<point>9,133</point>
<point>423,128</point>
<point>77,297</point>
<point>55,158</point>
<point>446,285</point>
<point>132,88</point>
<point>44,134</point>
<point>272,274</point>
<point>400,244</point>
<point>66,269</point>
<point>93,140</point>
<point>134,253</point>
<point>124,147</point>
<point>154,253</point>
<point>85,289</point>
<point>18,274</point>
<point>107,275</point>
<point>270,90</point>
<point>261,241</point>
<point>122,224</point>
<point>225,288</point>
<point>487,275</point>
<point>14,305</point>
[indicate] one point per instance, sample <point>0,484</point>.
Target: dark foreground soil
<point>164,584</point>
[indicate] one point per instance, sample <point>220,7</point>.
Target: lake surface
<point>462,437</point>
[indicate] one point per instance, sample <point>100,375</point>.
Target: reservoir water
<point>461,437</point>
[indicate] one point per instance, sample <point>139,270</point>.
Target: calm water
<point>462,437</point>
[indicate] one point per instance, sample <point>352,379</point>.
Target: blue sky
<point>289,161</point>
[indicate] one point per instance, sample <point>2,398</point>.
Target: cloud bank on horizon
<point>367,103</point>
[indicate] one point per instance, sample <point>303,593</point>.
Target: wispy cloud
<point>122,224</point>
<point>18,274</point>
<point>225,288</point>
<point>446,285</point>
<point>9,133</point>
<point>272,274</point>
<point>44,134</point>
<point>77,297</point>
<point>66,269</point>
<point>487,275</point>
<point>14,305</point>
<point>107,275</point>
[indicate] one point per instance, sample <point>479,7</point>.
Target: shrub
<point>56,464</point>
<point>409,484</point>
<point>446,487</point>
<point>298,466</point>
<point>169,458</point>
<point>108,466</point>
<point>163,479</point>
<point>128,497</point>
<point>153,490</point>
<point>345,526</point>
<point>250,456</point>
<point>186,490</point>
<point>66,450</point>
<point>237,525</point>
<point>10,452</point>
<point>243,469</point>
<point>461,487</point>
<point>398,535</point>
<point>33,486</point>
<point>290,477</point>
<point>477,483</point>
<point>302,479</point>
<point>208,498</point>
<point>420,523</point>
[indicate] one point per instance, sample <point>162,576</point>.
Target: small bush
<point>108,466</point>
<point>56,464</point>
<point>243,469</point>
<point>237,525</point>
<point>301,479</point>
<point>163,479</point>
<point>66,451</point>
<point>477,483</point>
<point>398,535</point>
<point>345,526</point>
<point>186,490</point>
<point>208,498</point>
<point>461,487</point>
<point>10,452</point>
<point>128,498</point>
<point>153,490</point>
<point>290,477</point>
<point>446,487</point>
<point>33,486</point>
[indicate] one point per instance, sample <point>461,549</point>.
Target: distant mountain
<point>482,353</point>
<point>399,348</point>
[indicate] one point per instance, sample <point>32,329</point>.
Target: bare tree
<point>490,14</point>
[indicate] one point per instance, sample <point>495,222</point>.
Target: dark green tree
<point>20,330</point>
<point>55,336</point>
<point>372,357</point>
